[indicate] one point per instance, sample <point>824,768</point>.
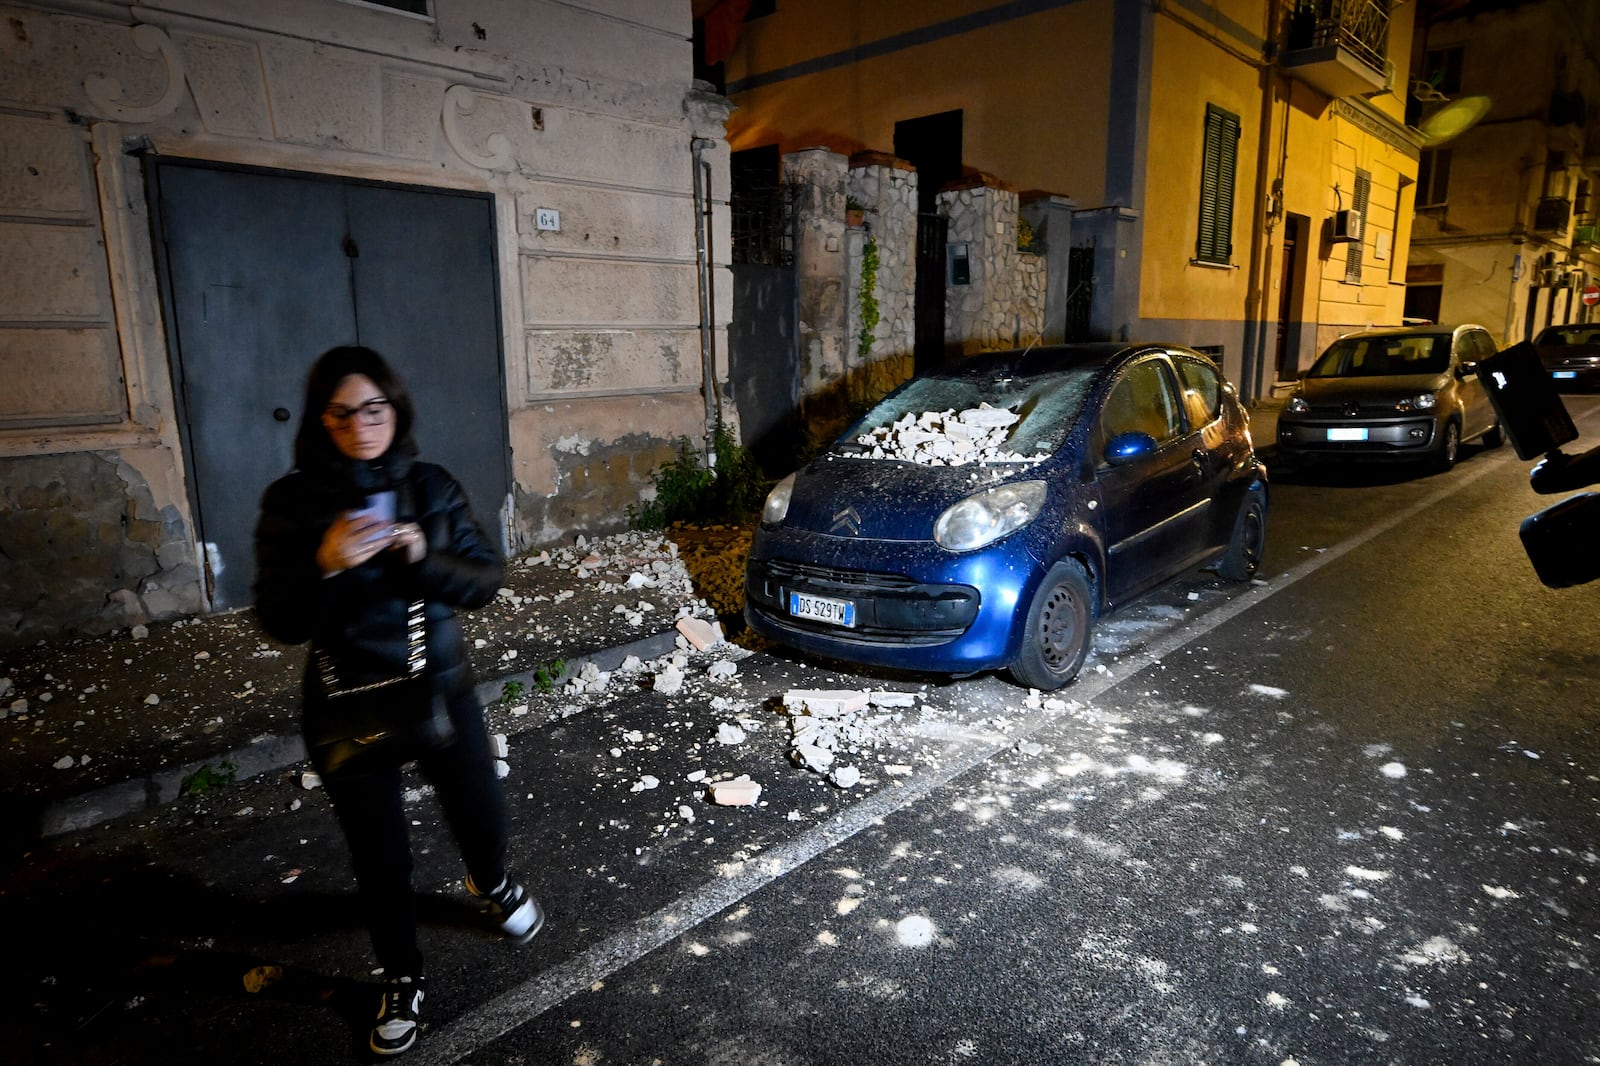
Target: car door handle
<point>1202,459</point>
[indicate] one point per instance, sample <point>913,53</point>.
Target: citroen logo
<point>846,520</point>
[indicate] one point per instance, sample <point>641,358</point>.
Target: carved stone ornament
<point>106,93</point>
<point>459,101</point>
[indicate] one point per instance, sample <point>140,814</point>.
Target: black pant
<point>372,814</point>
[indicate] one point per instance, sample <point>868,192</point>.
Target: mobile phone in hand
<point>380,507</point>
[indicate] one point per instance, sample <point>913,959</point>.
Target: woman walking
<point>367,552</point>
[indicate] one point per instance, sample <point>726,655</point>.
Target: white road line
<point>522,1003</point>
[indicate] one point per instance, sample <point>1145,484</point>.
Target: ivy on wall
<point>869,296</point>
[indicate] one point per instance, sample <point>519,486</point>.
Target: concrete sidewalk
<point>96,729</point>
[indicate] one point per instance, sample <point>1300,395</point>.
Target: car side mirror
<point>1126,447</point>
<point>1466,369</point>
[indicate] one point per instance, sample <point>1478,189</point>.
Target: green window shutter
<point>1353,252</point>
<point>1217,171</point>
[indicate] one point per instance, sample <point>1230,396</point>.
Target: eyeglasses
<point>374,412</point>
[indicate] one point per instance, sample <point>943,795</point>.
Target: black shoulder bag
<point>362,725</point>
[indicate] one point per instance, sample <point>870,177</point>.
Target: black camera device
<point>1561,539</point>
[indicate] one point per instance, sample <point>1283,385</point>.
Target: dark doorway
<point>262,271</point>
<point>933,145</point>
<point>763,350</point>
<point>1289,301</point>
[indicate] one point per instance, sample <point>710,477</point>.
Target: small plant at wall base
<point>688,492</point>
<point>869,297</point>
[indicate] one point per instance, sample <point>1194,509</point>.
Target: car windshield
<point>1570,335</point>
<point>1006,418</point>
<point>1380,356</point>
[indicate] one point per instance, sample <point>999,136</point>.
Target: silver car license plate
<point>1341,433</point>
<point>822,609</point>
<point>1566,375</point>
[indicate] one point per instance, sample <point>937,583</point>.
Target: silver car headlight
<point>989,515</point>
<point>776,508</point>
<point>1422,401</point>
<point>1297,406</point>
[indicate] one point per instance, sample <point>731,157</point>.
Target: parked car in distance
<point>1408,394</point>
<point>1571,354</point>
<point>985,515</point>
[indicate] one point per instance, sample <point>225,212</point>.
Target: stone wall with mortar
<point>582,106</point>
<point>887,190</point>
<point>1003,304</point>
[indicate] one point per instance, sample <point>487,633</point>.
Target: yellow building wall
<point>1189,73</point>
<point>1033,91</point>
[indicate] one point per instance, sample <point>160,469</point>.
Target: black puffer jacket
<point>359,615</point>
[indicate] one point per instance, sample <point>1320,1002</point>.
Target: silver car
<point>1407,394</point>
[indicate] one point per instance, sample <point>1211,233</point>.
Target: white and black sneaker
<point>517,913</point>
<point>398,1018</point>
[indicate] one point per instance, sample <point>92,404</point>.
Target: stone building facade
<point>849,271</point>
<point>577,122</point>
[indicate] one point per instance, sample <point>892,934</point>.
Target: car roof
<point>1048,358</point>
<point>1414,331</point>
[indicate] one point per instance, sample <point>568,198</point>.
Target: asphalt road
<point>1347,814</point>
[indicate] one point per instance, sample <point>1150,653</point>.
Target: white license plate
<point>822,609</point>
<point>1359,433</point>
<point>1565,375</point>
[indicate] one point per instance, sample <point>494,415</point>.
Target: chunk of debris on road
<point>825,702</point>
<point>669,680</point>
<point>66,762</point>
<point>502,769</point>
<point>1029,747</point>
<point>740,792</point>
<point>728,733</point>
<point>721,670</point>
<point>812,756</point>
<point>645,783</point>
<point>499,746</point>
<point>310,779</point>
<point>845,776</point>
<point>700,633</point>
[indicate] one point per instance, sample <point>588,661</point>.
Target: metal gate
<point>1080,292</point>
<point>763,345</point>
<point>928,346</point>
<point>262,271</point>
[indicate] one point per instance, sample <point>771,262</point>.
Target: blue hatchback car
<point>984,515</point>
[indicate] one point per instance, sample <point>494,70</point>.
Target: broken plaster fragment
<point>845,776</point>
<point>700,633</point>
<point>740,792</point>
<point>728,733</point>
<point>825,702</point>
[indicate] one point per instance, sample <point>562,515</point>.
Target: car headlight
<point>777,506</point>
<point>989,515</point>
<point>1422,401</point>
<point>1297,406</point>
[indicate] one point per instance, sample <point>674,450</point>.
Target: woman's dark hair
<point>313,447</point>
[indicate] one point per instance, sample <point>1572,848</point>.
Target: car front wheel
<point>1056,639</point>
<point>1450,448</point>
<point>1243,558</point>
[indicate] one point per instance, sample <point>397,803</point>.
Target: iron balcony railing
<point>1552,214</point>
<point>1361,26</point>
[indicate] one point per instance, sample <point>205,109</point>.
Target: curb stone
<point>269,753</point>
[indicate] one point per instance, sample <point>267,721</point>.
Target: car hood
<point>1370,389</point>
<point>887,499</point>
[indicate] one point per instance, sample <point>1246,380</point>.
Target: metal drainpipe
<point>708,305</point>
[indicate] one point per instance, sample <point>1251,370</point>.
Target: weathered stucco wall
<point>585,107</point>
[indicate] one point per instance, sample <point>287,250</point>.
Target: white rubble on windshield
<point>946,438</point>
